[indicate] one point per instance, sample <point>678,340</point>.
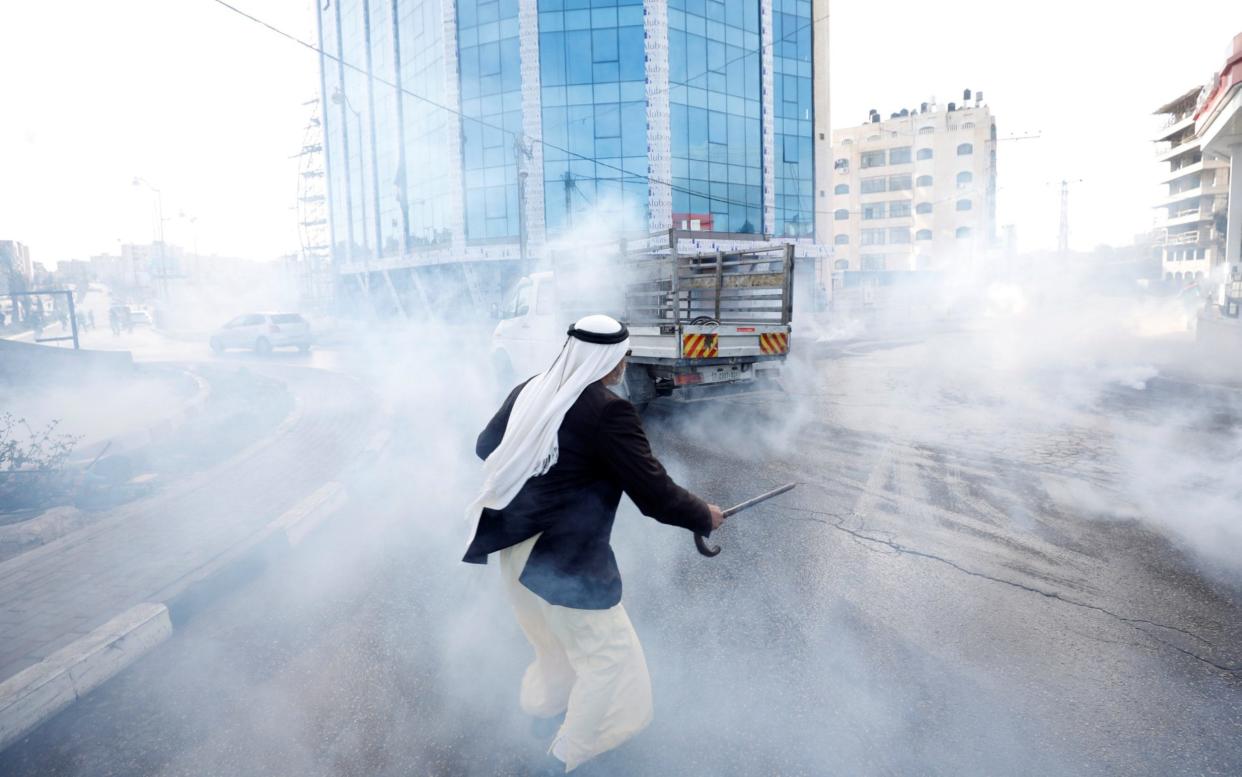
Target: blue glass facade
<point>336,138</point>
<point>593,91</point>
<point>355,99</point>
<point>793,110</point>
<point>427,199</point>
<point>387,158</point>
<point>715,113</point>
<point>396,186</point>
<point>491,92</point>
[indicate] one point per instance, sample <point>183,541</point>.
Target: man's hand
<point>718,518</point>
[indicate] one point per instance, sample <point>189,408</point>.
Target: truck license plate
<point>725,374</point>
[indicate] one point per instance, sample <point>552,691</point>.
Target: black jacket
<point>603,451</point>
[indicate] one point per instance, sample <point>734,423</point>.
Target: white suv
<point>261,332</point>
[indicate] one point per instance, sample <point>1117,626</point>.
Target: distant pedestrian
<point>557,456</point>
<point>90,318</point>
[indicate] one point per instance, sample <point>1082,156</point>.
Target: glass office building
<point>475,131</point>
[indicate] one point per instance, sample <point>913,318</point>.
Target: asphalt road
<point>987,568</point>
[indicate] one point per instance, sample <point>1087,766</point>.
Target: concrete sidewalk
<point>78,609</point>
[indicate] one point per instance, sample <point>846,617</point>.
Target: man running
<point>557,456</point>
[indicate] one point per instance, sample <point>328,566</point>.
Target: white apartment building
<point>916,191</point>
<point>1193,194</point>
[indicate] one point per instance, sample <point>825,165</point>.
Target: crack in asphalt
<point>1134,623</point>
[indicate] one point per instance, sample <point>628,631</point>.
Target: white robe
<point>588,664</point>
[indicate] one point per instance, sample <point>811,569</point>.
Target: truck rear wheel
<point>639,386</point>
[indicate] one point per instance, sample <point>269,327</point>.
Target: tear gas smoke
<point>963,447</point>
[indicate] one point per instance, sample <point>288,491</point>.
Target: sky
<point>209,108</point>
<point>1086,75</point>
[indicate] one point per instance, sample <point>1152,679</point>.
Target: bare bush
<point>32,463</point>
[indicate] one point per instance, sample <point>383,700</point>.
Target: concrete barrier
<point>38,692</point>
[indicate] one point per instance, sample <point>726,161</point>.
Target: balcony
<point>1164,154</point>
<point>1176,125</point>
<point>1182,172</point>
<point>1189,216</point>
<point>1189,238</point>
<point>1186,195</point>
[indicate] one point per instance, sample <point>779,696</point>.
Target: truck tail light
<point>687,378</point>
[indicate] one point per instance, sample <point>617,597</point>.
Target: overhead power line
<point>626,174</point>
<point>456,112</point>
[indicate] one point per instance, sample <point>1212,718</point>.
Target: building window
<point>842,264</point>
<point>968,125</point>
<point>923,207</point>
<point>872,237</point>
<point>872,159</point>
<point>925,180</point>
<point>873,263</point>
<point>924,153</point>
<point>965,149</point>
<point>928,130</point>
<point>899,156</point>
<point>898,235</point>
<point>898,183</point>
<point>841,214</point>
<point>963,232</point>
<point>963,205</point>
<point>873,185</point>
<point>842,164</point>
<point>846,142</point>
<point>841,188</point>
<point>841,240</point>
<point>716,142</point>
<point>963,179</point>
<point>873,138</point>
<point>923,234</point>
<point>872,211</point>
<point>898,209</point>
<point>491,97</point>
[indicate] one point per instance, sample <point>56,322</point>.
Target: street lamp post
<point>159,206</point>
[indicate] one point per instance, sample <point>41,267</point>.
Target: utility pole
<point>1063,235</point>
<point>163,258</point>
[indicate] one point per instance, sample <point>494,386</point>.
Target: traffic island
<point>66,618</point>
<point>181,422</point>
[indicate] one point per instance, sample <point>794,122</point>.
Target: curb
<point>251,557</point>
<point>37,693</point>
<point>159,429</point>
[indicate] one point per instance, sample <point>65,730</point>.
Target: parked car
<point>140,317</point>
<point>261,332</point>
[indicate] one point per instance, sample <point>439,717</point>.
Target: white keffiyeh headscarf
<point>529,447</point>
